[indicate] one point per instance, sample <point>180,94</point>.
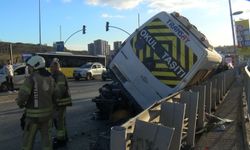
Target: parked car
<point>89,71</point>
<point>18,79</point>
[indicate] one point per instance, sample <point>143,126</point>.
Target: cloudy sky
<point>19,19</point>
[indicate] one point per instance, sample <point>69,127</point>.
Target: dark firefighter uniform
<point>63,100</point>
<point>37,96</point>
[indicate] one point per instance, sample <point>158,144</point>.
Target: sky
<point>20,19</point>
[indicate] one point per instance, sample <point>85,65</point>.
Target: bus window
<point>69,62</point>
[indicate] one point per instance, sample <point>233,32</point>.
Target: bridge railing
<point>173,121</point>
<point>247,88</point>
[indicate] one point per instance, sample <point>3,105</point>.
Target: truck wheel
<point>4,87</point>
<point>89,76</point>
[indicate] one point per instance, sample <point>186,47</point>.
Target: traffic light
<point>83,29</point>
<point>107,26</point>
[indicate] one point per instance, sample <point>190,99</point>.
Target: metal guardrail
<point>247,88</point>
<point>245,104</point>
<point>173,121</point>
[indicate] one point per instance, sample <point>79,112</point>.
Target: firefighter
<point>63,100</point>
<point>37,96</point>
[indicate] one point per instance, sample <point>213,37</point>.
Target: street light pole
<point>232,25</point>
<point>60,33</point>
<point>40,37</point>
<point>233,31</point>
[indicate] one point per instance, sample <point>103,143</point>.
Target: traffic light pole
<point>72,35</point>
<point>120,29</point>
<point>107,28</point>
<point>83,31</point>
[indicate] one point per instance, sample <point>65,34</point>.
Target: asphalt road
<point>83,129</point>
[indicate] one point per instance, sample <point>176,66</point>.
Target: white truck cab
<point>164,55</point>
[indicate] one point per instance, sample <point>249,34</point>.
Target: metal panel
<point>214,94</point>
<point>149,136</point>
<point>172,115</point>
<point>201,107</point>
<point>191,100</point>
<point>117,139</point>
<point>208,97</point>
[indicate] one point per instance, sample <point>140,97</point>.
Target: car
<point>18,79</point>
<point>89,71</point>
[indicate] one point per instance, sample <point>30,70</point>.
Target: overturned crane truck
<point>165,55</point>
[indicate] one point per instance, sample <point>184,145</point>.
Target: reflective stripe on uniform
<point>60,83</point>
<point>35,92</point>
<point>47,148</point>
<point>39,112</point>
<point>60,134</point>
<point>64,104</point>
<point>64,101</point>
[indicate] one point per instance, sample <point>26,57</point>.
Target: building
<point>99,47</point>
<point>91,49</point>
<point>117,45</point>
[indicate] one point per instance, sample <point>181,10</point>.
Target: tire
<point>4,87</point>
<point>89,76</point>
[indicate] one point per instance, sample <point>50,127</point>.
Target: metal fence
<point>173,121</point>
<point>246,74</point>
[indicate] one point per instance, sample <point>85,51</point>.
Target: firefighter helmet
<point>36,62</point>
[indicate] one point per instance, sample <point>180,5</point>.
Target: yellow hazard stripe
<point>147,51</point>
<point>174,50</point>
<point>161,38</point>
<point>156,23</point>
<point>170,82</point>
<point>182,54</point>
<point>164,74</point>
<point>166,30</point>
<point>167,38</point>
<point>141,55</point>
<point>156,57</point>
<point>159,65</point>
<point>190,53</point>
